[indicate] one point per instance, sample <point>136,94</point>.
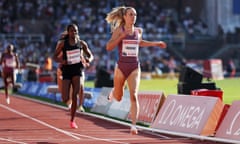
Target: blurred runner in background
<point>9,62</point>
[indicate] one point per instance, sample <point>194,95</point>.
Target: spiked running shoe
<point>81,109</point>
<point>134,130</point>
<point>8,100</point>
<point>73,125</point>
<point>69,104</point>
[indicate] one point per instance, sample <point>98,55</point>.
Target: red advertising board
<point>213,69</point>
<point>230,126</point>
<point>187,114</point>
<point>207,92</point>
<point>149,103</point>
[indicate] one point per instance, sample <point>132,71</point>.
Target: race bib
<point>73,56</point>
<point>130,48</point>
<point>10,62</point>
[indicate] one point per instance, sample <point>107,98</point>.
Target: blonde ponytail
<point>115,17</point>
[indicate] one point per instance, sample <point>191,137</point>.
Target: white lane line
<point>100,139</point>
<point>13,141</point>
<point>74,135</point>
<point>41,122</point>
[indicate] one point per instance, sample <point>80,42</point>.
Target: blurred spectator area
<point>34,38</point>
<point>35,26</point>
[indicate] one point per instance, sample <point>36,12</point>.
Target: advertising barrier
<point>207,92</point>
<point>188,114</point>
<point>230,126</point>
<point>213,69</point>
<point>102,104</point>
<point>120,109</point>
<point>149,104</point>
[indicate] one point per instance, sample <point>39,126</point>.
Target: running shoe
<point>81,109</point>
<point>69,106</point>
<point>73,125</point>
<point>134,130</point>
<point>8,100</point>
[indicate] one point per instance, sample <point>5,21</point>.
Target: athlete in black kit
<point>73,55</point>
